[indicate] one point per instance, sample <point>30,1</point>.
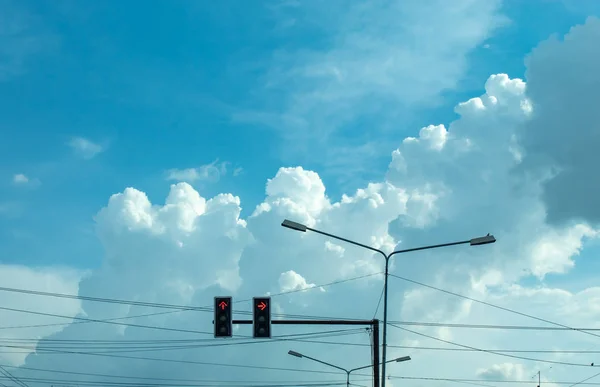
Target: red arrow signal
<point>261,306</point>
<point>222,305</point>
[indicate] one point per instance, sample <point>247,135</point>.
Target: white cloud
<point>553,253</point>
<point>209,173</point>
<point>504,371</point>
<point>85,148</point>
<point>21,179</point>
<point>292,281</point>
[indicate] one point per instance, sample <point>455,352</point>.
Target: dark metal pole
<point>385,313</point>
<point>310,322</point>
<point>376,353</point>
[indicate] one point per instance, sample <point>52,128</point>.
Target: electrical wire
<point>585,380</point>
<point>87,322</point>
<point>12,378</point>
<point>207,384</point>
<point>178,308</point>
<point>494,306</point>
<point>105,321</point>
<point>379,302</point>
<point>171,306</point>
<point>43,349</point>
<point>557,351</point>
<point>192,362</point>
<point>140,377</point>
<point>503,381</point>
<point>490,326</point>
<point>494,352</point>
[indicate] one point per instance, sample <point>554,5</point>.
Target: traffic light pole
<point>372,323</point>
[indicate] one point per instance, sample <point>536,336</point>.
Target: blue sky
<point>159,87</point>
<point>222,97</point>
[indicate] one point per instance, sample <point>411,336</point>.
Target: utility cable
<point>490,326</point>
<point>12,378</point>
<point>585,380</point>
<point>142,377</point>
<point>180,361</point>
<point>43,349</point>
<point>503,381</point>
<point>494,306</point>
<point>378,303</point>
<point>169,306</point>
<point>178,308</point>
<point>494,352</point>
<point>206,384</point>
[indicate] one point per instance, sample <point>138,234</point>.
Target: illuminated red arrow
<point>262,305</point>
<point>223,305</point>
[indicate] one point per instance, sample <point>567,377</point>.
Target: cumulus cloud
<point>208,173</point>
<point>85,148</point>
<point>561,139</point>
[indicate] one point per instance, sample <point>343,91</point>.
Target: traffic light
<point>223,317</point>
<point>261,319</point>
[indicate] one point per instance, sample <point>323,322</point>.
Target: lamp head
<point>294,225</point>
<point>484,240</point>
<point>294,353</point>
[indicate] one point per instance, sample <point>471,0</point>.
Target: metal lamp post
<point>473,242</point>
<point>348,372</point>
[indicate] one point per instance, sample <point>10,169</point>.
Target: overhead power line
<point>12,378</point>
<point>490,326</point>
<point>170,306</point>
<point>177,308</point>
<point>192,362</point>
<point>90,349</point>
<point>502,381</point>
<point>113,376</point>
<point>551,351</point>
<point>495,306</point>
<point>202,384</point>
<point>495,352</point>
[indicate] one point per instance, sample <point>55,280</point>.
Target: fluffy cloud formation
<point>451,182</point>
<point>561,139</point>
<point>85,148</point>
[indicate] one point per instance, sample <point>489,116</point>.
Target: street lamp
<point>484,240</point>
<point>348,372</point>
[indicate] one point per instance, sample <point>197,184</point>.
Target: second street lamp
<point>348,372</point>
<point>484,240</point>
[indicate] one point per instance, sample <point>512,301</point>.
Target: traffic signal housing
<point>261,317</point>
<point>223,317</point>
